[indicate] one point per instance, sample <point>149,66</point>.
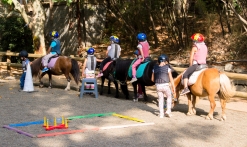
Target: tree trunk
<point>35,23</point>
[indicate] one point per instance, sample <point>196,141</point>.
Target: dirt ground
<point>178,131</point>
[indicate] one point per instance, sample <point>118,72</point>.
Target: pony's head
<point>36,66</point>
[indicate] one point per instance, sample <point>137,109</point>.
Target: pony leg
<point>134,84</point>
<point>223,107</point>
<point>190,112</point>
<point>68,84</point>
<point>144,93</point>
<point>117,90</point>
<point>109,86</point>
<point>41,84</point>
<point>212,105</point>
<point>50,80</point>
<point>194,104</point>
<point>102,85</point>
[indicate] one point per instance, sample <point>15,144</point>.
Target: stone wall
<point>94,25</point>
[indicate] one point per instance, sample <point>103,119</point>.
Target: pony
<point>64,65</point>
<point>209,83</point>
<point>118,72</point>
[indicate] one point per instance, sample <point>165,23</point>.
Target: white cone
<point>28,85</point>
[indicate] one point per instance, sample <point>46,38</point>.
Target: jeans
<point>22,80</point>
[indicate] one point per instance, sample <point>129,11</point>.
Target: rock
<point>228,67</point>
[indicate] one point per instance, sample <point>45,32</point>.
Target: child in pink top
<point>198,56</point>
<point>143,48</point>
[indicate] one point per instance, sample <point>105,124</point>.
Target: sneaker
<point>135,100</point>
<point>161,115</point>
<point>133,80</point>
<point>185,91</point>
<point>45,69</point>
<point>99,75</point>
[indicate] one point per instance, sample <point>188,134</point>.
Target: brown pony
<point>64,65</point>
<point>209,83</point>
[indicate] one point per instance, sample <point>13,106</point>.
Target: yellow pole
<point>55,122</point>
<point>47,124</point>
<point>44,121</point>
<point>62,120</point>
<point>66,123</point>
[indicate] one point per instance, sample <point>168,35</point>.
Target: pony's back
<point>122,67</point>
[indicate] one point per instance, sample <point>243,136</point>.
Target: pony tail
<point>227,90</point>
<point>75,70</point>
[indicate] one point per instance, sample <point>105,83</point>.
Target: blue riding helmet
<point>54,34</point>
<point>23,53</point>
<point>141,37</point>
<point>90,51</point>
<point>115,39</point>
<point>163,58</point>
<point>136,52</point>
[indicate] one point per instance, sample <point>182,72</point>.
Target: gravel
<point>178,131</point>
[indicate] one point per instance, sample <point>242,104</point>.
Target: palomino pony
<point>209,83</point>
<point>64,65</point>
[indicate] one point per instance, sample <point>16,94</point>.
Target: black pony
<point>119,70</point>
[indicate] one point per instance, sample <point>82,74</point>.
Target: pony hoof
<point>223,118</point>
<point>194,112</point>
<point>67,89</point>
<point>189,114</point>
<point>116,96</point>
<point>209,117</point>
<point>50,87</point>
<point>41,86</point>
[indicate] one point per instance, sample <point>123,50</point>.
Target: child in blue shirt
<point>25,61</point>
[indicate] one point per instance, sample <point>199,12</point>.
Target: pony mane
<point>35,66</point>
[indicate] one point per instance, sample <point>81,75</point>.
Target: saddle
<point>195,74</point>
<point>140,68</point>
<point>52,61</point>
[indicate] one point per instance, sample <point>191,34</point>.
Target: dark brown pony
<point>209,83</point>
<point>64,65</point>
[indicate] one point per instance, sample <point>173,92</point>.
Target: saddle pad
<point>106,65</point>
<point>139,71</point>
<point>193,77</point>
<point>52,62</point>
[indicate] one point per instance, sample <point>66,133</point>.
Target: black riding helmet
<point>163,58</point>
<point>23,53</point>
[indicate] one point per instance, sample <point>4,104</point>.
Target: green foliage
<point>14,36</point>
<point>7,2</point>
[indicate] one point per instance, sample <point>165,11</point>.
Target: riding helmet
<point>163,58</point>
<point>23,53</point>
<point>90,51</point>
<point>115,39</point>
<point>54,34</point>
<point>197,37</point>
<point>141,37</point>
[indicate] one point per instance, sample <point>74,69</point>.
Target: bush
<point>14,36</point>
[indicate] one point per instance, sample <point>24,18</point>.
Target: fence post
<point>8,64</point>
